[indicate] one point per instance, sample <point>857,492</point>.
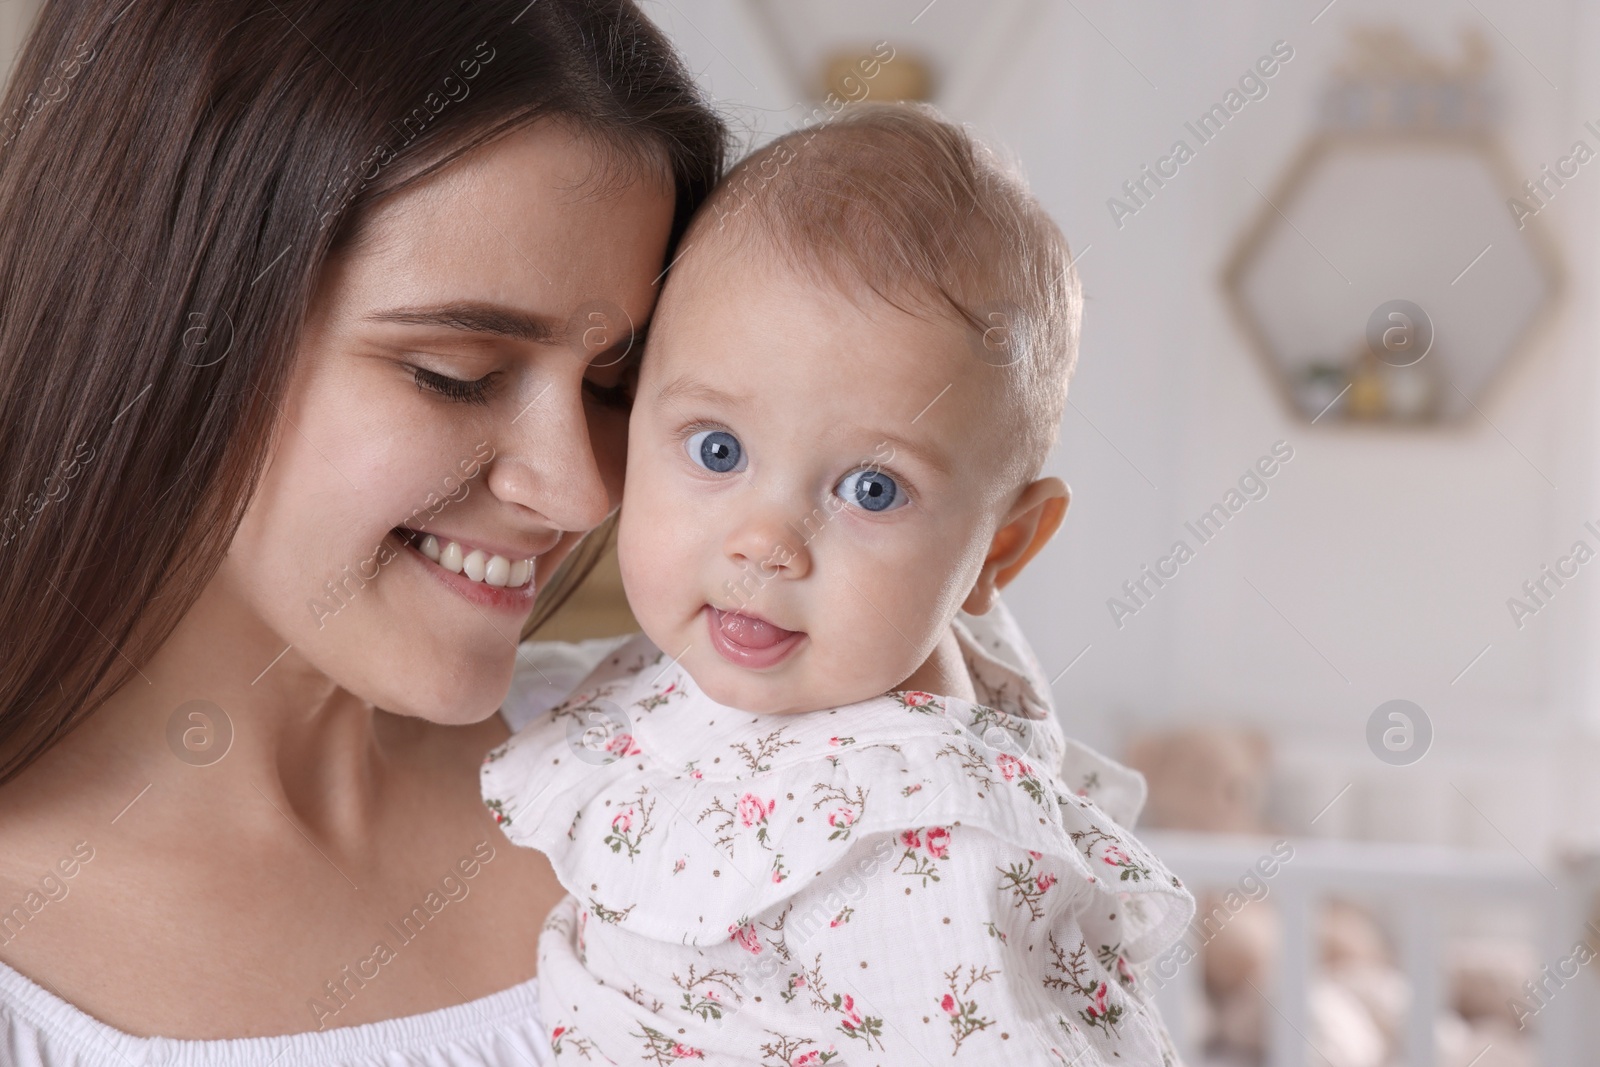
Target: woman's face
<point>519,268</point>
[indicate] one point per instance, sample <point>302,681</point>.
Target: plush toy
<point>1209,779</point>
<point>1204,779</point>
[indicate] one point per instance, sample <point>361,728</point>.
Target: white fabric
<point>904,878</point>
<point>38,1029</point>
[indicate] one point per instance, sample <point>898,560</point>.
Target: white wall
<point>1392,553</point>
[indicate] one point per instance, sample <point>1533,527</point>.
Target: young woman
<point>284,283</point>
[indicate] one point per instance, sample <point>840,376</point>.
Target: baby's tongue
<point>750,632</point>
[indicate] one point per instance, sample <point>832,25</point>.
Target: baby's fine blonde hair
<point>895,198</point>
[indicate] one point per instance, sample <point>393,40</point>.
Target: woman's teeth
<point>477,564</point>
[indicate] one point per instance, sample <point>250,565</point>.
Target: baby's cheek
<point>875,636</point>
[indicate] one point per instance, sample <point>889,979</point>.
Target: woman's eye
<point>871,490</point>
<point>716,450</point>
<point>475,391</point>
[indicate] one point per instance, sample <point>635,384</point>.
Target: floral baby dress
<point>899,881</point>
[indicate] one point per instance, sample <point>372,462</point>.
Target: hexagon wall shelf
<point>1386,279</point>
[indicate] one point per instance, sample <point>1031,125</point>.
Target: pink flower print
<point>622,745</point>
<point>1114,856</point>
<point>622,821</point>
<point>684,1052</point>
<point>679,866</point>
<point>915,699</point>
<point>752,809</point>
<point>1045,881</point>
<point>1010,766</point>
<point>1032,853</point>
<point>1124,972</point>
<point>910,839</point>
<point>557,1032</point>
<point>948,1003</point>
<point>852,1018</point>
<point>938,842</point>
<point>807,1059</point>
<point>842,818</point>
<point>747,938</point>
<point>1099,1007</point>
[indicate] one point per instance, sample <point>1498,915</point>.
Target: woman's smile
<point>479,574</point>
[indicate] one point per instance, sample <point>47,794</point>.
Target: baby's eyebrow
<point>927,454</point>
<point>688,387</point>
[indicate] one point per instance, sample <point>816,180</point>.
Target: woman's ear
<point>1032,521</point>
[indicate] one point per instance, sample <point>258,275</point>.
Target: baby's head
<point>854,375</point>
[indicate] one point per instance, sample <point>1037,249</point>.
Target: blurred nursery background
<point>1332,447</point>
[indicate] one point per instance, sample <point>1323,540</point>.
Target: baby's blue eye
<point>871,490</point>
<point>716,450</point>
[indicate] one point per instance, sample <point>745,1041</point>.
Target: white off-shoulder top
<point>39,1029</point>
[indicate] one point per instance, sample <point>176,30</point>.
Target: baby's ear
<point>1028,527</point>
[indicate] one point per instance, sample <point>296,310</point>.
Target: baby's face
<point>812,485</point>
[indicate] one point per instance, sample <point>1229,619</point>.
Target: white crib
<point>1417,880</point>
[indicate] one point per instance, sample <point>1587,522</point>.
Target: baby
<point>821,809</point>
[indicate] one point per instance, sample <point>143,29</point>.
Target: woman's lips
<point>500,598</point>
<point>748,640</point>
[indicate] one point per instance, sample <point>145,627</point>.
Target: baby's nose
<point>774,546</point>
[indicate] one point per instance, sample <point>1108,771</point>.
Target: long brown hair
<point>173,175</point>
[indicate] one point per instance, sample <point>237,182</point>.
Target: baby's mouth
<point>472,563</point>
<point>749,631</point>
<point>750,641</point>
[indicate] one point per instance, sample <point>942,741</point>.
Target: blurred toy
<point>1214,780</point>
<point>1205,779</point>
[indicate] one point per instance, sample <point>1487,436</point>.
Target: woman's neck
<point>224,711</point>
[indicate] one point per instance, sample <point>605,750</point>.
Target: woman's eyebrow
<point>476,317</point>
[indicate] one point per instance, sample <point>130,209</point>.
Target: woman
<point>283,285</point>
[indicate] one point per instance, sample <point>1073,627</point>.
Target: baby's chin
<point>764,694</point>
<point>769,693</point>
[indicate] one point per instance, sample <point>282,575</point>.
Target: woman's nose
<point>546,462</point>
<point>769,543</point>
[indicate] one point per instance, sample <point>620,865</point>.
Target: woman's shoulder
<point>39,1029</point>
